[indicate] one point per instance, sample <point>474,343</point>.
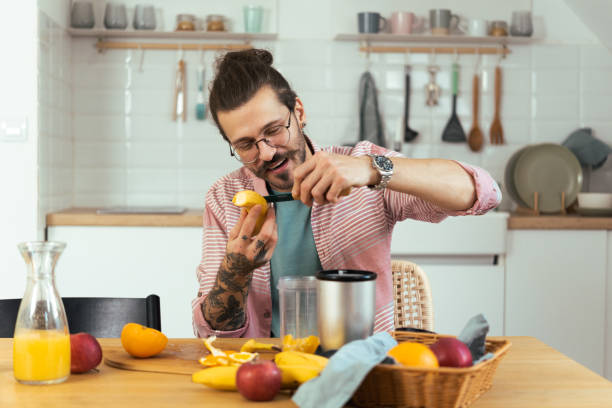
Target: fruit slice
<point>307,344</point>
<point>252,346</point>
<point>213,350</point>
<point>214,361</point>
<point>249,198</point>
<point>242,357</point>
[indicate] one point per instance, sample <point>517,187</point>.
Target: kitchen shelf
<point>452,44</point>
<point>170,35</point>
<point>437,39</point>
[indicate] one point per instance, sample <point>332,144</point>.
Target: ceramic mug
<point>144,17</point>
<point>475,27</point>
<point>82,15</point>
<point>401,22</point>
<point>441,21</point>
<point>371,22</point>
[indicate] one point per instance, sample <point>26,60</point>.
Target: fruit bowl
<point>445,387</point>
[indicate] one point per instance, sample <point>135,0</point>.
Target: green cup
<point>253,16</point>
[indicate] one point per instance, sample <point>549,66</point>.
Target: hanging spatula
<point>409,133</point>
<point>453,132</point>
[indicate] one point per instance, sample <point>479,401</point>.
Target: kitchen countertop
<point>89,217</point>
<point>193,218</point>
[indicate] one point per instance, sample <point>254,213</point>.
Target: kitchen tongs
<point>179,93</point>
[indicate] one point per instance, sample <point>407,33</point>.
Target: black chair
<point>100,317</point>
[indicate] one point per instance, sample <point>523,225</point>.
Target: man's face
<point>248,123</point>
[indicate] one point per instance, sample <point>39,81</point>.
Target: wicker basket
<point>396,386</point>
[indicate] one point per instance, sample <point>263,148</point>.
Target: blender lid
<point>346,275</point>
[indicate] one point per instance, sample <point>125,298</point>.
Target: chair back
<point>412,296</point>
<point>100,317</point>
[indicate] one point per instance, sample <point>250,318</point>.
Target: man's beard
<point>282,181</point>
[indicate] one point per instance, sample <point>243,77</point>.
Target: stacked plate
<point>548,169</point>
<point>595,204</point>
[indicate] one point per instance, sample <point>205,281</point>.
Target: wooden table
<point>531,375</point>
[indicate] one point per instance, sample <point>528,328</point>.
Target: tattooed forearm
<point>224,307</point>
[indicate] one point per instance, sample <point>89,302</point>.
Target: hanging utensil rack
<point>173,40</point>
<point>434,44</point>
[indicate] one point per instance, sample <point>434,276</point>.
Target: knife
<point>277,198</point>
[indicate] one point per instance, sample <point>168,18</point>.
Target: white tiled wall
<point>127,151</point>
<point>55,148</point>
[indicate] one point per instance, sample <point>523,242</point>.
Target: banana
<point>297,358</point>
<point>220,378</point>
<point>295,375</point>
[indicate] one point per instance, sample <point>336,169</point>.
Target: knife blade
<point>276,198</point>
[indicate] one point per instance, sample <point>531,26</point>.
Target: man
<point>262,119</point>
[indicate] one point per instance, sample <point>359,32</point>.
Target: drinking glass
<point>521,25</point>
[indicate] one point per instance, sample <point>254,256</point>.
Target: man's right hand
<point>224,307</point>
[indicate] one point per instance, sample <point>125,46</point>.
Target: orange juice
<point>41,356</point>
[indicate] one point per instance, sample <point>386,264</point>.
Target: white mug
<point>475,27</point>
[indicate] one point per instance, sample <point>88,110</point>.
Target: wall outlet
<point>13,130</point>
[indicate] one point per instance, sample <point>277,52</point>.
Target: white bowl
<point>595,200</point>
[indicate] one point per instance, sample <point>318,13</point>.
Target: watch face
<point>384,163</point>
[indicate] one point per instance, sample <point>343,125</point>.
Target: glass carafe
<point>41,346</point>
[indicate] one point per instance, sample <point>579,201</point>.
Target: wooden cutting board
<point>179,357</point>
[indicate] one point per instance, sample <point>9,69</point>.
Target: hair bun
<point>250,56</point>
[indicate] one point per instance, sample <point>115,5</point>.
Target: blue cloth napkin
<point>344,372</point>
<point>474,335</point>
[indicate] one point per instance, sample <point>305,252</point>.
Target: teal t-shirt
<point>295,253</point>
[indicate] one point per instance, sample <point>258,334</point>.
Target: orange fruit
<point>248,199</point>
<point>305,344</point>
<point>414,355</point>
<point>142,341</point>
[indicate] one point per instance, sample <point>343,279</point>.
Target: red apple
<point>452,353</point>
<point>259,380</point>
<point>85,352</point>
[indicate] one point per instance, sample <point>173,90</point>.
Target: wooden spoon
<point>475,137</point>
<point>496,132</point>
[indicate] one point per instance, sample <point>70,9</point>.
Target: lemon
<point>249,198</point>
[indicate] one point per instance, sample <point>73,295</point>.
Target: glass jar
<point>215,22</point>
<point>185,22</point>
<point>499,28</point>
<point>41,345</point>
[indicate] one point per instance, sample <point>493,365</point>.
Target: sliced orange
<point>214,361</point>
<point>306,344</point>
<point>242,357</point>
<point>208,342</point>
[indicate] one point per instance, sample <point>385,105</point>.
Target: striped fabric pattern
<point>352,234</point>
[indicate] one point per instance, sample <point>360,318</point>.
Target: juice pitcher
<point>41,346</point>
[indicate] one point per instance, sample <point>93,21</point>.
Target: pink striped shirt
<point>352,234</point>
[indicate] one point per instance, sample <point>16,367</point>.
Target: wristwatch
<point>384,166</point>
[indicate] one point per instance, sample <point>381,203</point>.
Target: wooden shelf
<point>437,39</point>
<point>170,35</point>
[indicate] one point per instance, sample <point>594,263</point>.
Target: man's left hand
<point>324,177</point>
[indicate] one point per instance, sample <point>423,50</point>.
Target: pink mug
<point>401,22</point>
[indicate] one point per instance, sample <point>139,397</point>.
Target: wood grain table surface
<point>531,375</point>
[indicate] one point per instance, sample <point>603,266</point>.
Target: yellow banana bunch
<point>297,367</point>
<point>220,378</point>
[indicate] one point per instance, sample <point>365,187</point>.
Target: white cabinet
<point>555,290</point>
<point>133,262</point>
<point>463,259</point>
<point>608,334</point>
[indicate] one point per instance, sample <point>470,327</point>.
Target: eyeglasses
<point>247,151</point>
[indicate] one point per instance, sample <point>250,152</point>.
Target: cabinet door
<point>555,291</point>
<point>608,338</point>
<point>133,262</point>
<point>460,292</point>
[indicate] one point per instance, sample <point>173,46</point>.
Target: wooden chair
<point>412,296</point>
<point>100,317</point>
